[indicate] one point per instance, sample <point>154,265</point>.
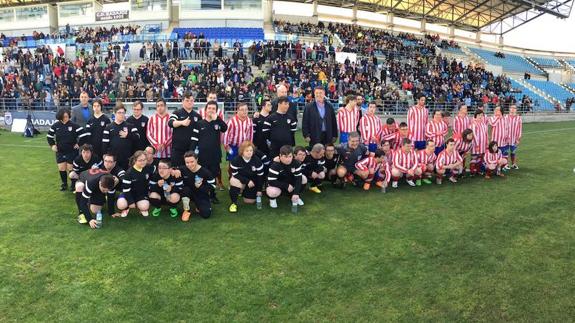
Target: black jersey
<point>116,171</point>
<point>190,178</point>
<point>280,129</point>
<point>333,162</point>
<point>141,124</point>
<point>80,165</point>
<point>65,136</point>
<point>208,143</point>
<point>312,165</point>
<point>281,175</point>
<point>120,147</point>
<point>177,184</point>
<point>92,193</point>
<point>182,136</point>
<point>260,137</point>
<point>250,170</point>
<point>95,128</point>
<point>136,183</point>
<point>348,157</point>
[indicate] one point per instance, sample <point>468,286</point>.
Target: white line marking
<point>550,130</point>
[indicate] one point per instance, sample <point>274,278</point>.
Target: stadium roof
<point>492,16</point>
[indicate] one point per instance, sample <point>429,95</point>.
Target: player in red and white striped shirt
<point>499,128</point>
<point>436,130</point>
<point>405,162</point>
<point>426,158</point>
<point>417,118</point>
<point>449,159</point>
<point>348,119</point>
<point>240,129</point>
<point>461,121</point>
<point>396,138</point>
<point>386,147</point>
<point>158,132</point>
<point>368,167</point>
<point>480,141</point>
<point>463,144</point>
<point>515,131</point>
<point>370,127</point>
<point>389,128</point>
<point>494,160</point>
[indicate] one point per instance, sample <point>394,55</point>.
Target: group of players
<point>171,158</point>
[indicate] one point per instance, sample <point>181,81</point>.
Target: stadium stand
<point>510,63</point>
<point>223,33</point>
<point>538,102</point>
<point>545,61</point>
<point>554,90</point>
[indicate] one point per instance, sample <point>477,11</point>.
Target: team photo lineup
<point>145,163</point>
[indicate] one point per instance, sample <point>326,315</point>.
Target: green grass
<point>480,250</point>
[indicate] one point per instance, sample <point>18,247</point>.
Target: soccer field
<point>488,250</point>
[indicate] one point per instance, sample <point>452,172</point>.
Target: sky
<point>546,32</point>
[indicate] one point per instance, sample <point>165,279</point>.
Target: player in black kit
<point>285,176</point>
<point>120,139</point>
<point>165,189</point>
<point>184,121</point>
<point>198,185</point>
<point>247,176</point>
<point>280,127</point>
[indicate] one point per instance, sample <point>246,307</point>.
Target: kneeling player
<point>135,186</point>
<point>464,143</point>
<point>331,161</point>
<point>86,160</point>
<point>427,158</point>
<point>285,176</point>
<point>449,159</point>
<point>314,169</point>
<point>405,163</point>
<point>369,167</point>
<point>165,188</point>
<point>494,160</point>
<point>350,153</point>
<point>98,184</point>
<point>247,176</point>
<point>199,184</point>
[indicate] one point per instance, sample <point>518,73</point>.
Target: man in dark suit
<point>82,112</point>
<point>319,124</point>
<point>283,91</point>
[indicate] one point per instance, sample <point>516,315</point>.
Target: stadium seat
<point>539,103</point>
<point>552,89</point>
<point>545,61</point>
<point>224,33</point>
<point>511,62</point>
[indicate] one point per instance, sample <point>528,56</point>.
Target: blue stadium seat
<point>553,89</point>
<point>539,102</point>
<point>546,61</point>
<point>224,33</point>
<point>511,62</point>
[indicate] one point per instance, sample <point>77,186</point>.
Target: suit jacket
<point>311,124</point>
<point>78,117</point>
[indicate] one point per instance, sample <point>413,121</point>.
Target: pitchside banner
<point>112,15</point>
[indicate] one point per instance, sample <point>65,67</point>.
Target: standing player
<point>417,118</point>
<point>451,160</point>
<point>405,163</point>
<point>198,185</point>
<point>436,130</point>
<point>213,96</point>
<point>347,119</point>
<point>370,128</point>
<point>165,188</point>
<point>460,122</point>
<point>207,147</point>
<point>389,128</point>
<point>119,138</point>
<point>285,176</point>
<point>64,138</point>
<point>368,168</point>
<point>139,121</point>
<point>494,160</point>
<point>240,129</point>
<point>260,138</point>
<point>135,186</point>
<point>279,128</point>
<point>515,132</point>
<point>499,128</point>
<point>184,122</point>
<point>396,138</point>
<point>247,176</point>
<point>426,158</point>
<point>95,127</point>
<point>480,141</point>
<point>159,133</point>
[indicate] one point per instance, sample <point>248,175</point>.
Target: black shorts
<point>98,199</point>
<point>132,199</point>
<point>66,157</point>
<point>250,193</point>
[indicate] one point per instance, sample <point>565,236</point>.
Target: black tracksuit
<point>312,165</point>
<point>200,196</point>
<point>80,165</point>
<point>95,127</point>
<point>279,129</point>
<point>246,171</point>
<point>141,124</point>
<point>281,176</point>
<point>65,137</point>
<point>135,185</point>
<point>182,136</point>
<point>349,157</point>
<point>260,138</point>
<point>208,144</point>
<point>122,148</point>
